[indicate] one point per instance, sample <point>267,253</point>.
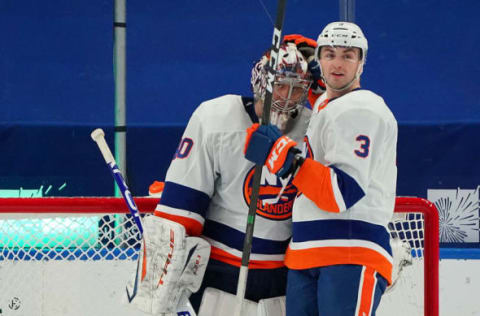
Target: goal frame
<point>431,247</point>
<point>92,205</point>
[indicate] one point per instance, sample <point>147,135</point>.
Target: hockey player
<point>208,188</point>
<point>339,258</point>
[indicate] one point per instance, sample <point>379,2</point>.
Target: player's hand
<point>259,142</point>
<point>304,44</point>
<point>307,47</point>
<point>281,158</point>
<point>265,145</point>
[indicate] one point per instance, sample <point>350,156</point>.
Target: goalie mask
<point>290,88</point>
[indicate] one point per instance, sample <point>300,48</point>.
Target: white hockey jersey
<point>347,185</point>
<point>208,185</point>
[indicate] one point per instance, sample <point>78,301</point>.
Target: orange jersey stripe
<point>144,261</point>
<point>327,256</point>
<point>223,256</point>
<point>312,97</point>
<point>367,291</point>
<point>192,227</point>
<point>323,105</point>
<point>313,179</point>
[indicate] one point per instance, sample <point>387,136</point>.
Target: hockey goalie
<point>205,200</point>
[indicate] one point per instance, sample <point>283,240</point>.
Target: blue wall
<point>56,56</point>
<point>56,82</point>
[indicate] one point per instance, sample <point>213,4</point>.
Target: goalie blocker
<point>170,266</point>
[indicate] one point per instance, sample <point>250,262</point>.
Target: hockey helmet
<point>345,34</point>
<point>291,84</point>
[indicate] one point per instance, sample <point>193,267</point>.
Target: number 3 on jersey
<point>184,148</point>
<point>364,146</point>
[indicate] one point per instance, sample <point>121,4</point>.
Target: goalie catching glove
<point>170,265</point>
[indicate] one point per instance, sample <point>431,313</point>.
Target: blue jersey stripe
<point>343,230</point>
<point>185,198</point>
<point>234,239</point>
<point>351,191</point>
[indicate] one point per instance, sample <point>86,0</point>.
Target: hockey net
<point>73,256</point>
<point>415,289</point>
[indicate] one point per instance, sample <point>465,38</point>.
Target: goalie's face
<point>288,99</point>
<point>289,93</point>
<point>340,67</point>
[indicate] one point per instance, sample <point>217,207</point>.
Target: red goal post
<point>415,222</point>
<point>431,252</point>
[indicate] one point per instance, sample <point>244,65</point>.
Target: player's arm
<point>351,142</point>
<point>189,182</point>
<point>348,142</point>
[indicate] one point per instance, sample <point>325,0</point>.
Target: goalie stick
<point>247,243</point>
<point>184,307</point>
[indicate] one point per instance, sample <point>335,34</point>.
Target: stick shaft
<point>185,308</point>
<point>247,244</point>
<point>99,137</point>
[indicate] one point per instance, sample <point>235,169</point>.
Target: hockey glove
<point>170,266</point>
<point>264,145</point>
<point>307,47</point>
<point>259,141</point>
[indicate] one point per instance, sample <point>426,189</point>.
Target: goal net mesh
<point>73,256</point>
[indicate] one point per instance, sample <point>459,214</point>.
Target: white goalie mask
<point>290,89</point>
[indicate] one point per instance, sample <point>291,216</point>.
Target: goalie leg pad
<point>170,265</point>
<point>274,306</point>
<point>219,303</point>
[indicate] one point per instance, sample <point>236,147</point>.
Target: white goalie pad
<point>170,266</point>
<point>272,306</point>
<point>219,303</point>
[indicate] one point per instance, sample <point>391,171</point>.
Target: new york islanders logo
<point>273,203</point>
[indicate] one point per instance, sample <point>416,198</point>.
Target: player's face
<point>288,98</point>
<point>287,95</point>
<point>289,92</point>
<point>339,65</point>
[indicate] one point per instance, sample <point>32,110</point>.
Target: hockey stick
<point>247,243</point>
<point>184,307</point>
